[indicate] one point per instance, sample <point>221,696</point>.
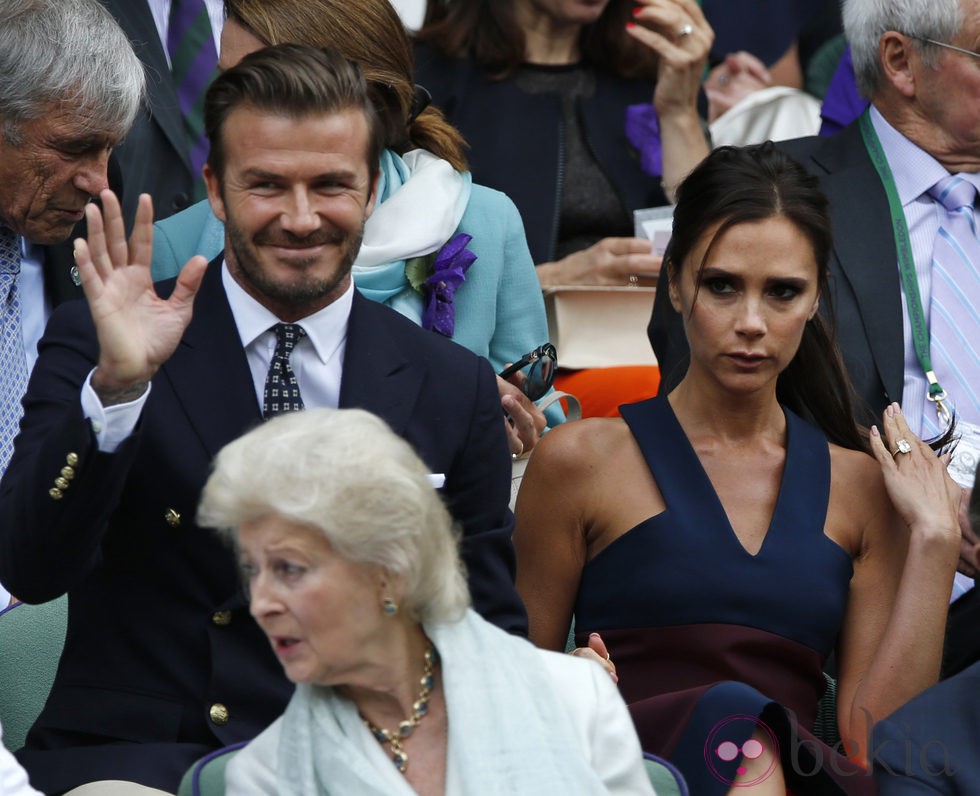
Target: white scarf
<point>421,199</point>
<point>508,730</point>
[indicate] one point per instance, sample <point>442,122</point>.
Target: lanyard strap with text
<point>906,264</point>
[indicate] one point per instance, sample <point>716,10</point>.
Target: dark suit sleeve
<point>478,490</point>
<point>49,540</point>
<point>906,765</point>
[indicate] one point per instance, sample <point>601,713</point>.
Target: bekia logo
<point>719,749</point>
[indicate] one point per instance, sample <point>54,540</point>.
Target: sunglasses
<point>544,362</point>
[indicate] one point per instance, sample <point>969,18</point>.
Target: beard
<point>306,289</point>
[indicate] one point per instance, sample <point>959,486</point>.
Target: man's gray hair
<point>865,21</point>
<point>347,474</point>
<point>71,52</point>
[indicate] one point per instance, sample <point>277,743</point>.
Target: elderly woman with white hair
<point>353,573</point>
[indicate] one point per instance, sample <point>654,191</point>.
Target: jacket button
<point>221,618</point>
<point>68,472</point>
<point>55,493</point>
<point>172,517</point>
<point>72,459</point>
<point>219,714</point>
<point>61,483</point>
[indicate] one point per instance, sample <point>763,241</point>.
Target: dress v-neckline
<point>717,507</point>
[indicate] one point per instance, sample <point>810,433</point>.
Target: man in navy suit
<point>135,392</point>
<point>930,744</point>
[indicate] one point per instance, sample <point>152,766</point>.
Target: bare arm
<point>679,75</point>
<point>549,534</point>
<point>892,638</point>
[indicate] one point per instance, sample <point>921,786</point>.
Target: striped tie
<point>193,62</point>
<point>13,359</point>
<point>954,312</point>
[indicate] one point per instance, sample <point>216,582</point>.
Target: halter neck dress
<point>710,641</point>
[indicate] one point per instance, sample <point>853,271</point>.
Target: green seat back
<point>31,640</point>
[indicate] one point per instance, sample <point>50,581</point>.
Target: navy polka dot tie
<point>281,389</point>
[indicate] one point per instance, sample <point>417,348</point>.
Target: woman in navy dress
<point>726,538</point>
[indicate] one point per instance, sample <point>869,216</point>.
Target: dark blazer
<point>158,630</point>
<point>154,157</point>
<point>517,139</point>
<point>865,292</point>
<point>929,746</point>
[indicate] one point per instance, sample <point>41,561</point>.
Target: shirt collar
<point>326,328</point>
<point>914,170</point>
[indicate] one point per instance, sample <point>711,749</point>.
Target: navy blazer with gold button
<point>162,662</point>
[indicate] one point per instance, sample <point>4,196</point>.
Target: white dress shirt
<point>317,360</point>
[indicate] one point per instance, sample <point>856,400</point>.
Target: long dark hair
<point>738,185</point>
<point>487,31</point>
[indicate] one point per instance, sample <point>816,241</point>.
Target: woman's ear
<point>814,308</point>
<point>673,290</point>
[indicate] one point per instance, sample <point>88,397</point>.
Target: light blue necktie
<point>954,314</point>
<point>13,359</point>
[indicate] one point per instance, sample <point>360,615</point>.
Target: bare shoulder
<point>858,500</point>
<point>581,444</point>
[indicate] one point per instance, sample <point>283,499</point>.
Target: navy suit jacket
<point>158,630</point>
<point>154,157</point>
<point>929,746</point>
<point>865,301</point>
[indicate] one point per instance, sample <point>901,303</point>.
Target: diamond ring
<point>902,446</point>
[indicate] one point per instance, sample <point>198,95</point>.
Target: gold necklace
<point>419,709</point>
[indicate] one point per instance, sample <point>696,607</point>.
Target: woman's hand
<point>731,81</point>
<point>523,420</point>
<point>597,651</point>
<point>681,36</point>
<point>920,488</point>
<point>611,261</point>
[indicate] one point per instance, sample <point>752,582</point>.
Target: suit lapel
<point>865,249</point>
<point>137,21</point>
<point>209,372</point>
<point>378,375</point>
<point>59,264</point>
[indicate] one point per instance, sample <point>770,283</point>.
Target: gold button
<point>172,516</point>
<point>56,494</point>
<point>68,472</point>
<point>61,483</point>
<point>219,714</point>
<point>221,618</point>
<point>72,459</point>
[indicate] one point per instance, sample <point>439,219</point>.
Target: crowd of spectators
<point>261,262</point>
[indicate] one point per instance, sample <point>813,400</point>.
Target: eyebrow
<point>342,175</point>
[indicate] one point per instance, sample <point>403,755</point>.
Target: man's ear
<point>895,53</point>
<point>215,198</point>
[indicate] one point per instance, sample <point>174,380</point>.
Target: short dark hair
<point>292,80</point>
<point>738,185</point>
